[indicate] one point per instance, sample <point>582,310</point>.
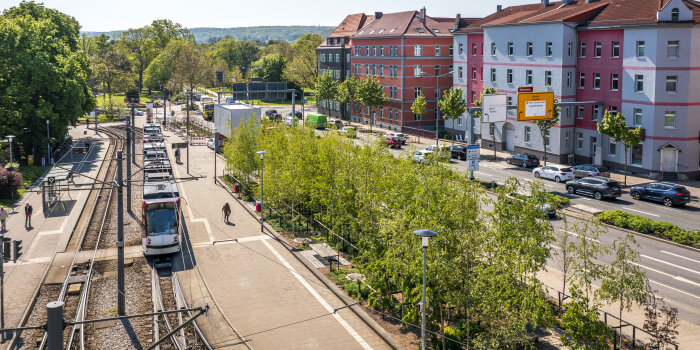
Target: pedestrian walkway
<point>257,289</point>
<point>50,231</point>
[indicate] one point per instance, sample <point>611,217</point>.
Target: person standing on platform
<point>3,219</point>
<point>28,215</point>
<point>227,211</point>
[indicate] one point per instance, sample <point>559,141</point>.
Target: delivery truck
<point>230,116</point>
<point>317,121</point>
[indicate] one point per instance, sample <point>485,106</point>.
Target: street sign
<point>535,106</point>
<point>51,180</point>
<point>473,165</point>
<point>473,152</point>
<point>526,89</point>
<point>494,108</point>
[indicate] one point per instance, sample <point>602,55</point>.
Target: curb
<point>371,323</point>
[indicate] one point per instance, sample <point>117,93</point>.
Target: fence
<point>198,141</point>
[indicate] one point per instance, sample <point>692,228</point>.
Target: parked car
<point>458,152</point>
<point>421,157</point>
<point>348,131</point>
<point>393,142</point>
<point>210,143</point>
<point>270,112</point>
<point>275,117</point>
<point>441,152</point>
<point>586,170</point>
<point>546,208</point>
<point>401,136</point>
<point>230,100</point>
<point>667,193</point>
<point>523,160</point>
<point>289,121</point>
<point>596,186</point>
<point>337,123</point>
<point>555,173</point>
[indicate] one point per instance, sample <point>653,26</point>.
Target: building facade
<point>634,57</point>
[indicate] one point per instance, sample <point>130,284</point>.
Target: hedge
<point>650,227</point>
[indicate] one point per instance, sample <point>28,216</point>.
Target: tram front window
<point>161,222</point>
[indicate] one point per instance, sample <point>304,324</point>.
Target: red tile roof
<point>350,25</point>
<point>408,23</point>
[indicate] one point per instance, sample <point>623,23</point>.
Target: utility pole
<point>189,96</point>
<point>133,141</point>
<point>129,140</point>
<point>216,149</point>
<point>3,252</point>
<point>165,106</point>
<point>48,143</point>
<point>54,325</point>
<point>121,303</point>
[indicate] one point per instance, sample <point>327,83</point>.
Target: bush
<point>10,181</point>
<point>647,226</point>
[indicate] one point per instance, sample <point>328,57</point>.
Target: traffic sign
<point>494,108</point>
<point>526,89</point>
<point>51,180</point>
<point>535,106</point>
<point>473,165</point>
<point>473,152</point>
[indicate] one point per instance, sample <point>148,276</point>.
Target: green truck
<point>317,121</point>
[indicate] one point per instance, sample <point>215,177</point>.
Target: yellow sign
<point>535,106</point>
<point>30,160</point>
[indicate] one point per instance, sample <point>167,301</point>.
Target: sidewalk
<point>50,232</point>
<point>256,287</point>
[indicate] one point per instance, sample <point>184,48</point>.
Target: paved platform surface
<point>49,232</point>
<point>263,293</point>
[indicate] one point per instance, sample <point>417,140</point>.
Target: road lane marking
<point>574,234</point>
<point>681,256</point>
<point>639,211</point>
<point>318,297</point>
<point>677,290</point>
<point>668,263</point>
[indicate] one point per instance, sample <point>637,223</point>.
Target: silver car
<point>555,173</point>
<point>586,170</point>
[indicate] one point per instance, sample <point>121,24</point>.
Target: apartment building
<point>334,57</point>
<point>634,56</point>
<point>409,53</point>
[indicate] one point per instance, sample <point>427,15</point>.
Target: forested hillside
<point>263,33</point>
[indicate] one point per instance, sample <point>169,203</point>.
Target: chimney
<point>378,15</point>
<point>422,15</point>
<point>458,19</point>
<point>499,8</point>
<point>545,3</point>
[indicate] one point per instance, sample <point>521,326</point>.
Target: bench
<point>325,251</point>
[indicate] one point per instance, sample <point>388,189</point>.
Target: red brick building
<point>409,52</point>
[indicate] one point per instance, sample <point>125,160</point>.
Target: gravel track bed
<point>136,333</point>
<point>30,339</point>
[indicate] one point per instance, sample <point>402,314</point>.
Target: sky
<point>102,15</point>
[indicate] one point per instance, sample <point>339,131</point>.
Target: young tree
<point>623,281</point>
<point>544,126</point>
<point>371,93</point>
<point>162,68</point>
<point>326,87</point>
<point>478,114</point>
<point>661,321</point>
<point>347,92</point>
<point>581,322</point>
<point>452,106</point>
<point>270,67</point>
<point>615,126</point>
<point>564,256</point>
<point>586,250</point>
<point>418,106</point>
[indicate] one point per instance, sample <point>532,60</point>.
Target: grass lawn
<point>118,99</point>
<point>30,173</point>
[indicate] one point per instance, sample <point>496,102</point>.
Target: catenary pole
<point>121,303</point>
<point>129,140</point>
<point>187,139</point>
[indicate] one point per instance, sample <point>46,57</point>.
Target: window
<point>671,83</point>
<point>381,50</point>
<point>640,49</point>
<point>437,50</point>
<point>473,96</point>
<point>613,110</point>
<point>528,49</point>
<point>451,50</point>
<point>579,113</point>
<point>493,75</point>
<point>568,139</point>
<point>374,50</point>
<point>417,71</point>
<point>548,49</point>
<point>450,68</point>
<point>473,73</point>
<point>528,77</point>
<point>510,49</point>
<point>374,69</point>
<point>639,83</point>
<point>510,100</point>
<point>347,57</point>
<point>675,14</point>
<point>637,117</point>
<point>547,78</point>
<point>528,133</point>
<point>637,153</point>
<point>581,80</point>
<point>615,49</point>
<point>598,50</point>
<point>596,81</point>
<point>614,82</point>
<point>460,48</point>
<point>381,70</point>
<point>670,119</point>
<point>582,50</point>
<point>612,149</point>
<point>596,113</point>
<point>459,121</point>
<point>568,79</point>
<point>493,49</point>
<point>459,72</point>
<point>672,48</point>
<point>418,50</point>
<point>570,48</point>
<point>416,116</point>
<point>417,91</point>
<point>579,140</point>
<point>437,70</point>
<point>509,76</point>
<point>546,138</point>
<point>473,49</point>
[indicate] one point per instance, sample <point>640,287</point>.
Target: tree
<point>544,126</point>
<point>586,251</point>
<point>282,47</point>
<point>326,87</point>
<point>162,68</point>
<point>452,106</point>
<point>581,322</point>
<point>661,321</point>
<point>114,70</point>
<point>43,75</point>
<point>140,49</point>
<point>164,30</point>
<point>478,114</point>
<point>418,106</point>
<point>270,67</point>
<point>303,67</point>
<point>623,281</point>
<point>237,53</point>
<point>615,126</point>
<point>564,255</point>
<point>371,93</point>
<point>192,68</point>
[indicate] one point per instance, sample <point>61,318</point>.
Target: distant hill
<point>262,33</point>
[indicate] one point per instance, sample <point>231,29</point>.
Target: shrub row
<point>647,226</point>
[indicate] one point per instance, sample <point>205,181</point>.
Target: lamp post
<point>189,96</point>
<point>262,211</point>
<point>425,236</point>
<point>216,146</point>
<point>9,138</point>
<point>437,106</point>
<point>48,143</point>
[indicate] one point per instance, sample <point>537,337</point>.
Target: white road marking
<point>574,234</point>
<point>668,263</point>
<point>318,297</point>
<point>639,211</point>
<point>681,256</point>
<point>677,290</point>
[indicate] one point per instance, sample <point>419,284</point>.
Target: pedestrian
<point>177,155</point>
<point>88,123</point>
<point>227,211</point>
<point>28,215</point>
<point>3,218</point>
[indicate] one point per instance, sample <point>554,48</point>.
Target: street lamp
<point>48,143</point>
<point>262,212</point>
<point>437,106</point>
<point>189,96</point>
<point>9,138</point>
<point>216,146</point>
<point>425,236</point>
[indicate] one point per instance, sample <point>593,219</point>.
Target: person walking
<point>177,155</point>
<point>227,211</point>
<point>3,219</point>
<point>28,215</point>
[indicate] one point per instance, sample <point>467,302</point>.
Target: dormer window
<point>380,31</point>
<point>419,30</point>
<point>674,14</point>
<point>436,30</point>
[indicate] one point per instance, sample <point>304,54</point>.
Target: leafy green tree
<point>114,70</point>
<point>43,75</point>
<point>418,106</point>
<point>281,47</point>
<point>138,46</point>
<point>623,281</point>
<point>270,67</point>
<point>326,87</point>
<point>240,148</point>
<point>545,126</point>
<point>347,92</point>
<point>586,251</point>
<point>165,30</point>
<point>564,256</point>
<point>237,53</point>
<point>303,67</point>
<point>452,106</point>
<point>660,321</point>
<point>584,331</point>
<point>615,126</point>
<point>371,93</point>
<point>161,70</point>
<point>192,69</point>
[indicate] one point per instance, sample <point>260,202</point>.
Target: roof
<point>350,25</point>
<point>399,24</point>
<point>592,14</point>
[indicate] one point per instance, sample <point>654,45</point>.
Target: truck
<point>230,116</point>
<point>208,107</point>
<point>317,121</point>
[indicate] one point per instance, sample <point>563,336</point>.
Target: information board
<point>535,106</point>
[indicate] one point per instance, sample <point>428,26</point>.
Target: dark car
<point>393,142</point>
<point>523,160</point>
<point>297,114</point>
<point>586,170</point>
<point>458,152</point>
<point>595,186</point>
<point>667,193</point>
<point>275,117</point>
<point>270,112</point>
